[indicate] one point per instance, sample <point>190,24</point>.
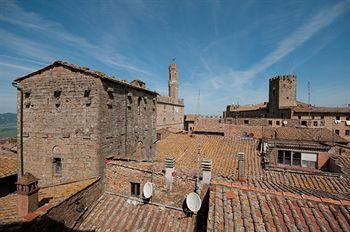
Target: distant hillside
<point>8,125</point>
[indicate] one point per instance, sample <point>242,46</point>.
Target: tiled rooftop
<point>116,213</point>
<point>8,163</point>
<point>51,195</point>
<point>222,151</point>
<point>268,132</point>
<point>242,209</point>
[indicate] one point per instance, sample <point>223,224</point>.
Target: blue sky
<point>227,49</point>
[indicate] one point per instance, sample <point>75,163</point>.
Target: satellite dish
<point>285,122</point>
<point>193,202</point>
<point>148,190</point>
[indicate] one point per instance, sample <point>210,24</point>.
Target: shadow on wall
<point>7,185</point>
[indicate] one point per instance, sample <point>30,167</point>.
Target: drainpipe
<point>15,84</point>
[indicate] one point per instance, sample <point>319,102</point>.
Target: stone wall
<point>282,92</point>
<point>128,122</point>
<point>60,125</point>
<point>170,113</point>
<point>81,119</point>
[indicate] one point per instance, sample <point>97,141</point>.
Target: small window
<point>337,132</point>
<point>315,123</point>
<point>246,122</point>
<point>87,93</point>
<point>347,132</point>
<point>57,165</point>
<point>27,94</point>
<point>164,119</point>
<point>139,105</point>
<point>270,122</point>
<point>57,93</point>
<point>322,117</point>
<point>347,118</point>
<point>129,101</point>
<point>304,123</point>
<point>135,189</point>
<point>299,117</point>
<point>337,117</point>
<point>277,123</point>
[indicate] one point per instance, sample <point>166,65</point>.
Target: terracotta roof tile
<point>255,211</point>
<point>56,194</point>
<point>116,213</point>
<point>8,164</point>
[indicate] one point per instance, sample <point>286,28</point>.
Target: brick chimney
<point>240,165</point>
<point>169,172</point>
<point>206,171</point>
<point>27,194</point>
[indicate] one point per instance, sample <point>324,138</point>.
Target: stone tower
<point>173,83</point>
<point>282,91</point>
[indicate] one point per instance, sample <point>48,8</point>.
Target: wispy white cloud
<point>15,15</point>
<point>233,83</point>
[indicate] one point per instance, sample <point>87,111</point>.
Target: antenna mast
<point>308,97</point>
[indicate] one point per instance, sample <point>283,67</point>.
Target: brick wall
<point>119,176</point>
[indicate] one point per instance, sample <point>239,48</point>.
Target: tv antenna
<point>308,97</point>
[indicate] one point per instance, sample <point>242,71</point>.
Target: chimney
<point>240,165</point>
<point>206,170</point>
<point>27,194</point>
<point>169,172</point>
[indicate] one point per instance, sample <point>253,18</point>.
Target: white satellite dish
<point>285,122</point>
<point>148,190</point>
<point>193,202</point>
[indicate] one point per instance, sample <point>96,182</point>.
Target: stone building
<point>283,104</point>
<point>170,109</point>
<point>73,118</point>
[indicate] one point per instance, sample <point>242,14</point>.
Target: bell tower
<point>173,83</point>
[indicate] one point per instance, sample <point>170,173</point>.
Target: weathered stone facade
<point>170,109</point>
<point>73,118</point>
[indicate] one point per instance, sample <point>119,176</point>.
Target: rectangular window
<point>337,132</point>
<point>322,117</point>
<point>297,159</point>
<point>304,123</point>
<point>287,158</point>
<point>337,117</point>
<point>277,123</point>
<point>280,157</point>
<point>309,160</point>
<point>347,118</point>
<point>315,123</point>
<point>299,117</point>
<point>347,132</point>
<point>270,122</point>
<point>57,166</point>
<point>246,122</point>
<point>135,189</point>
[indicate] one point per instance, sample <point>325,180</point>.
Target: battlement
<point>283,77</point>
